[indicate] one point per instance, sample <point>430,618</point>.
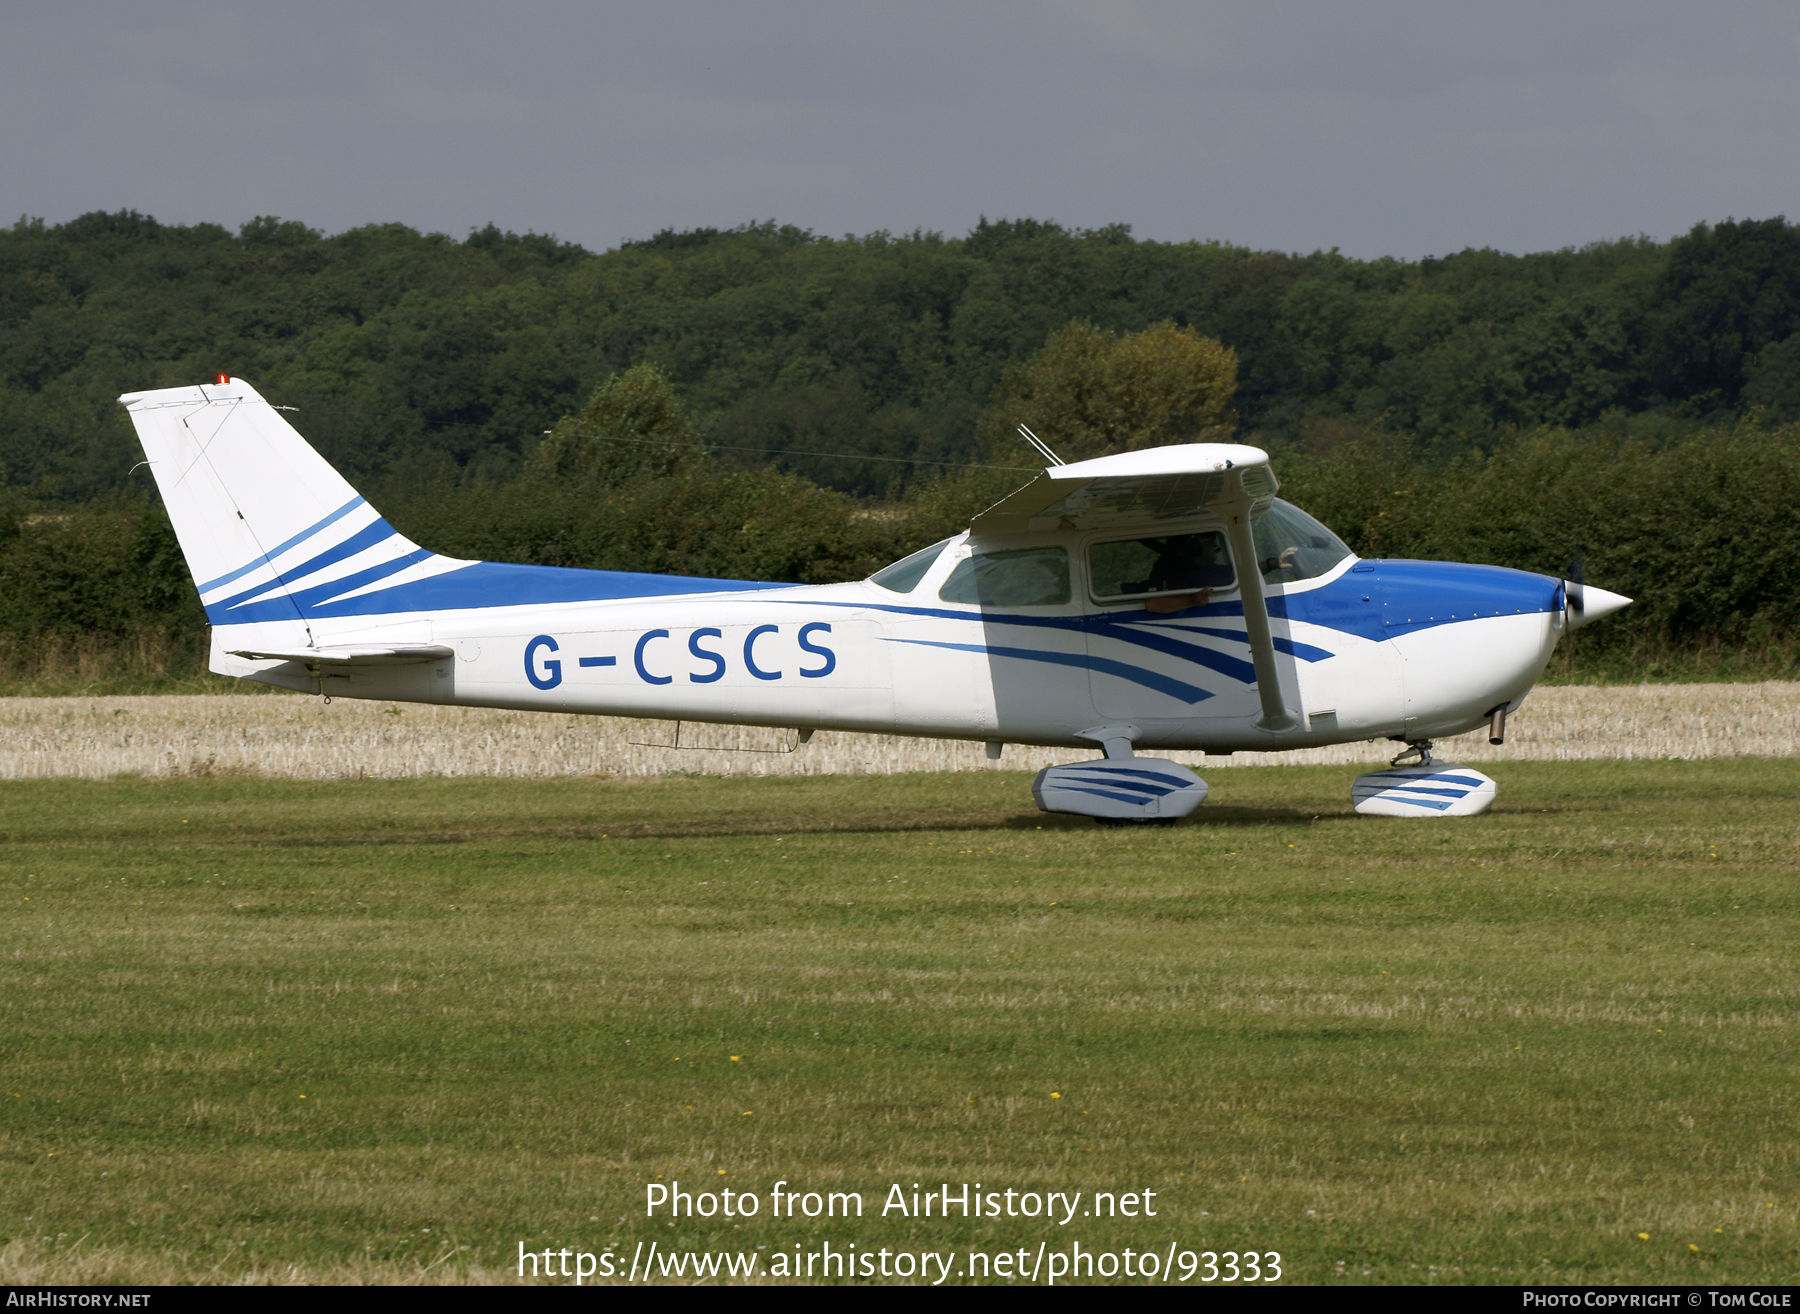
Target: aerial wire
<point>735,447</point>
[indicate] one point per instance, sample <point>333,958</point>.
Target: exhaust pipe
<point>1497,725</point>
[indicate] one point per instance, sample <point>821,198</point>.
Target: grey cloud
<point>1401,128</point>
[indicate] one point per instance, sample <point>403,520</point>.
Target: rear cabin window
<point>1025,577</point>
<point>1178,563</point>
<point>904,575</point>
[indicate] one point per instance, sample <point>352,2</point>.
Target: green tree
<point>1727,292</point>
<point>633,427</point>
<point>1089,392</point>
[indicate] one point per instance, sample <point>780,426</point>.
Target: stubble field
<point>291,737</point>
<point>392,1029</point>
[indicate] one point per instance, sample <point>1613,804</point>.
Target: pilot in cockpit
<point>1187,569</point>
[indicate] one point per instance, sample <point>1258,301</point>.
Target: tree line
<point>406,351</point>
<point>761,403</point>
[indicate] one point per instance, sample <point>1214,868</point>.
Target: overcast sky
<point>1398,128</point>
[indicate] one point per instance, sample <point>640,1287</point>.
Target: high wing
<point>1135,488</point>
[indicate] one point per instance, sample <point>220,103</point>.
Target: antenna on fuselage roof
<point>1043,448</point>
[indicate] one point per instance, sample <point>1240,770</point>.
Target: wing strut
<point>1276,715</point>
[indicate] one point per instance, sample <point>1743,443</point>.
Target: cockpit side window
<point>904,575</point>
<point>1024,577</point>
<point>1175,563</point>
<point>1292,546</point>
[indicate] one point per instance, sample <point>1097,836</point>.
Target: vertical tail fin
<point>267,526</point>
<point>289,558</point>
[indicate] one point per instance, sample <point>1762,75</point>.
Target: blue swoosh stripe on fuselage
<point>1234,667</point>
<point>309,599</point>
<point>1437,591</point>
<point>361,541</point>
<point>1211,658</point>
<point>488,584</point>
<point>276,551</point>
<point>1306,652</point>
<point>1187,693</point>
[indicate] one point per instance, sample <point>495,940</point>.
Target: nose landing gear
<point>1419,750</point>
<point>1417,785</point>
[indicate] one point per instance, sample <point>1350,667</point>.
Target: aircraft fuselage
<point>1373,649</point>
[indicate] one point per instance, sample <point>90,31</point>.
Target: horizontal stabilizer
<point>354,655</point>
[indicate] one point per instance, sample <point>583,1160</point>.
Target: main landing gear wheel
<point>1121,791</point>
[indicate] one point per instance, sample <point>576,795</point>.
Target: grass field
<point>388,1030</point>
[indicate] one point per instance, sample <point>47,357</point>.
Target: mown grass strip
<point>284,1030</point>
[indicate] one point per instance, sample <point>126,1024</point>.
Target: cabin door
<point>1160,629</point>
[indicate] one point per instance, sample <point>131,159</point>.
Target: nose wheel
<point>1417,785</point>
<point>1415,754</point>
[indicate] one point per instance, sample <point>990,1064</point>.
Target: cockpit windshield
<point>1292,546</point>
<point>904,575</point>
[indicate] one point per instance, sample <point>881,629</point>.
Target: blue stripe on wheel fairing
<point>274,552</point>
<point>1113,782</point>
<point>1187,693</point>
<point>1416,802</point>
<point>1421,789</point>
<point>1098,772</point>
<point>1440,777</point>
<point>1103,793</point>
<point>1112,770</point>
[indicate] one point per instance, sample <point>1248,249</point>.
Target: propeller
<point>1582,605</point>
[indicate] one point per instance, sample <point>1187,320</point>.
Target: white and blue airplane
<point>1162,599</point>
